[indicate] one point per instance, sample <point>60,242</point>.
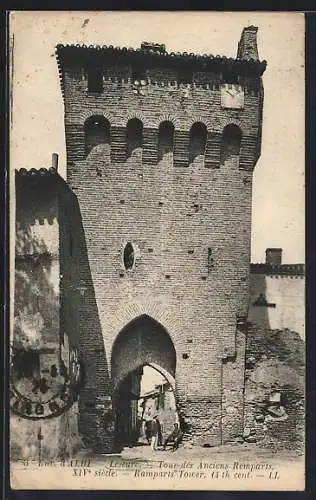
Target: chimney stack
<point>274,256</point>
<point>55,161</point>
<point>247,46</point>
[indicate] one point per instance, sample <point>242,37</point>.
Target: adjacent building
<point>277,294</point>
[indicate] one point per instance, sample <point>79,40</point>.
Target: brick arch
<point>158,312</point>
<point>96,112</point>
<point>199,119</point>
<point>165,373</point>
<point>235,122</point>
<point>167,118</point>
<point>142,341</point>
<point>136,114</point>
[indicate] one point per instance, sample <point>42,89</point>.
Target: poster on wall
<point>157,328</point>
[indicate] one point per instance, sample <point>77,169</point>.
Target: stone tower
<point>161,149</point>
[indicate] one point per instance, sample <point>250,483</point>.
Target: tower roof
<point>153,55</point>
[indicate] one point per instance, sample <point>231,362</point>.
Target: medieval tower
<point>161,149</point>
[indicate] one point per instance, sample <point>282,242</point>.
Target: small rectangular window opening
<point>210,260</point>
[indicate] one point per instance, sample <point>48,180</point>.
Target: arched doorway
<point>142,345</point>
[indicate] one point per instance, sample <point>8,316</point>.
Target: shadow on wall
<point>36,309</point>
<point>259,306</point>
<point>95,412</point>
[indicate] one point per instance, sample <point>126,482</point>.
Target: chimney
<point>247,46</point>
<point>274,256</point>
<point>154,47</point>
<point>55,161</point>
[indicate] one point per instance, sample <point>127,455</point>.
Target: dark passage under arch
<point>198,135</point>
<point>165,139</point>
<point>97,131</point>
<point>142,342</point>
<point>230,144</point>
<point>134,136</point>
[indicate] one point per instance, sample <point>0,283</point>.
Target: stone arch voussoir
<point>168,118</point>
<point>136,114</point>
<point>199,119</point>
<point>235,122</point>
<point>155,311</point>
<point>96,112</point>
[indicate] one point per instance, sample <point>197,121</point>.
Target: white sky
<point>278,192</point>
<point>150,378</point>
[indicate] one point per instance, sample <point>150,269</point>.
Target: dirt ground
<point>245,451</point>
<point>228,467</point>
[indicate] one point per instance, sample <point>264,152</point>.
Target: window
<point>95,79</point>
<point>134,136</point>
<point>198,134</point>
<point>97,131</point>
<point>129,256</point>
<point>230,145</point>
<point>165,142</point>
<point>210,260</point>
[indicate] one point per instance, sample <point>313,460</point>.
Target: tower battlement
<point>179,102</point>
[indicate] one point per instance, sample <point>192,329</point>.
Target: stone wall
<point>59,437</point>
<point>189,225</point>
<point>42,329</point>
<point>37,268</point>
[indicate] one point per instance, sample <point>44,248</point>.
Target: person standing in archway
<point>159,434</point>
<point>148,430</point>
<point>154,432</point>
<point>175,437</point>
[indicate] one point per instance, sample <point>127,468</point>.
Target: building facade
<point>161,149</point>
<point>44,343</point>
<point>159,401</point>
<point>277,294</point>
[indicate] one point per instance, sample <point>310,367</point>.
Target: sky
<point>150,378</point>
<point>37,127</point>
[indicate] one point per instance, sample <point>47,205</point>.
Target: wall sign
<point>42,386</point>
<point>232,96</point>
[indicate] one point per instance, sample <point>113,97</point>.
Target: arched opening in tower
<point>230,145</point>
<point>143,373</point>
<point>166,137</point>
<point>143,395</point>
<point>134,137</point>
<point>198,135</point>
<point>97,131</point>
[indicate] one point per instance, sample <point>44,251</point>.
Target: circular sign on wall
<point>41,385</point>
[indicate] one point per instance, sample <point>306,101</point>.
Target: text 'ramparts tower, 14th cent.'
<point>161,149</point>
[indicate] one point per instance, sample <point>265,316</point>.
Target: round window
<point>129,256</point>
